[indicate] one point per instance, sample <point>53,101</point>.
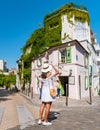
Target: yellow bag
<point>53,92</point>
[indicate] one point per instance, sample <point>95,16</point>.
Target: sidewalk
<point>60,103</point>
<point>78,115</point>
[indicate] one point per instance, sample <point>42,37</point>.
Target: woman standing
<point>47,80</point>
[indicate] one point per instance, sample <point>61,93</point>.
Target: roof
<point>68,7</point>
<point>70,43</point>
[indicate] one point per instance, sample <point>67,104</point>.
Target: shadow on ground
<point>4,93</point>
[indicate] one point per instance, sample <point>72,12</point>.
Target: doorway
<point>64,81</point>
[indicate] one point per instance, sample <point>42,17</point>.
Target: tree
<point>7,80</point>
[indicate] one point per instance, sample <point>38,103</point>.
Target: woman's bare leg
<point>41,110</point>
<point>48,106</point>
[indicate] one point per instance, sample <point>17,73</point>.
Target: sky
<point>19,19</point>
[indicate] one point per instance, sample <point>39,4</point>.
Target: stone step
<point>26,119</point>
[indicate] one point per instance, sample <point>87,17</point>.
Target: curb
<point>60,104</point>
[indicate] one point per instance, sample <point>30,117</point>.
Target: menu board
<point>72,80</point>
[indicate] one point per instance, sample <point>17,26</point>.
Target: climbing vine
<point>50,34</point>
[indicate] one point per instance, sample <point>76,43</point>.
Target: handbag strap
<point>49,83</point>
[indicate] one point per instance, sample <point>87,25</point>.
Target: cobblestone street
<point>17,112</point>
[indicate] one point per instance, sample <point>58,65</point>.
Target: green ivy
<point>27,75</point>
<point>53,25</point>
<point>79,12</point>
<point>50,34</point>
<point>7,80</point>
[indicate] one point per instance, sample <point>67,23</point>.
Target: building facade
<point>72,61</point>
<point>68,23</point>
<point>76,59</point>
<point>3,66</point>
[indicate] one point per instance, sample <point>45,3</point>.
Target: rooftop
<point>68,7</point>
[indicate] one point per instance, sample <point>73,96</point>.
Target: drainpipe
<point>99,83</point>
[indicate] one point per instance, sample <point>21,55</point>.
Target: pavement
<point>77,115</point>
<point>62,103</point>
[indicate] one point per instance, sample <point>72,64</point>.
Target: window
<point>68,54</point>
<point>80,29</point>
<point>53,25</point>
<point>63,56</point>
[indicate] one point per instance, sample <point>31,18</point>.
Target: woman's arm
<point>56,70</point>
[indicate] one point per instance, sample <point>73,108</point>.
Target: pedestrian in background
<point>39,84</point>
<point>46,99</point>
<point>58,88</point>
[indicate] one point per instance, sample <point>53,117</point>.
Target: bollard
<point>67,94</point>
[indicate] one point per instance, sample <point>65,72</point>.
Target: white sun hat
<point>46,68</point>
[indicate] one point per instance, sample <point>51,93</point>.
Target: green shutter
<point>90,81</point>
<point>68,54</point>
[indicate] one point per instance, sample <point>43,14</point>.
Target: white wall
<point>2,65</point>
<point>77,30</point>
<point>77,67</point>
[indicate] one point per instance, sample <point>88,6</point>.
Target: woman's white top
<point>47,84</point>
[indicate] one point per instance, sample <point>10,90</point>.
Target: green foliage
<point>2,77</point>
<point>7,80</point>
<point>80,13</point>
<point>52,21</point>
<point>12,78</point>
<point>50,35</point>
<point>37,44</point>
<point>81,16</point>
<point>53,31</point>
<point>27,75</point>
<point>99,92</point>
<point>35,40</point>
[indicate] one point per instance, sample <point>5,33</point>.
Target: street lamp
<point>99,83</point>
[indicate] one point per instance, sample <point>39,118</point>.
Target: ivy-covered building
<point>67,23</point>
<point>63,25</point>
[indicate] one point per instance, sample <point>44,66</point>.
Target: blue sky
<point>19,18</point>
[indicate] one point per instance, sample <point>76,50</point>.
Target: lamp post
<point>99,83</point>
<point>67,87</point>
<point>90,85</point>
<point>67,93</point>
